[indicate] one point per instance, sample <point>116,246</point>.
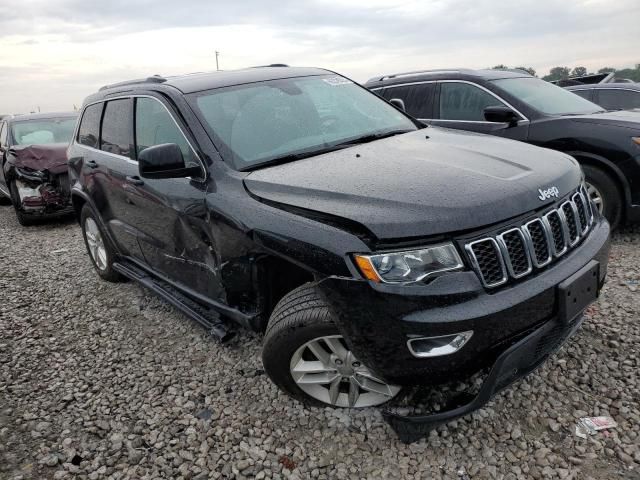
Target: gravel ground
<point>103,380</point>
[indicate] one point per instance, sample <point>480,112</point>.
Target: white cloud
<point>54,53</point>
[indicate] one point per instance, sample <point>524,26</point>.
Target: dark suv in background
<point>515,105</point>
<point>374,252</point>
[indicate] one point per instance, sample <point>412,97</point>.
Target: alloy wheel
<point>595,196</point>
<point>95,242</point>
<point>325,369</point>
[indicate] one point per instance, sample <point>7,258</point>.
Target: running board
<point>210,319</point>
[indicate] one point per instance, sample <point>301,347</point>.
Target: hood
<point>423,183</point>
<point>622,118</point>
<point>51,157</point>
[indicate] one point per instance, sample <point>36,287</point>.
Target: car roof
<point>599,86</point>
<point>196,82</point>
<point>41,116</point>
<point>445,74</point>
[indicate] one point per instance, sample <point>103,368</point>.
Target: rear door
<point>417,97</point>
<point>460,104</point>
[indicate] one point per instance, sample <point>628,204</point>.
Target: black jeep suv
<point>514,104</point>
<point>374,252</point>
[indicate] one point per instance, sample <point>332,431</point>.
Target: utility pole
<point>217,54</point>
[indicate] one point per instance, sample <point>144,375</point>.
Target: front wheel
<point>305,355</point>
<point>604,194</point>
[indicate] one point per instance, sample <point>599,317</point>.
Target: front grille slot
<point>487,259</point>
<point>581,207</point>
<point>558,235</point>
<point>571,220</point>
<point>539,241</point>
<point>515,252</point>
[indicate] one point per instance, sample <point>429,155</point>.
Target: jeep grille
<point>516,251</point>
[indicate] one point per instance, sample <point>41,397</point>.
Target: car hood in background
<point>51,157</point>
<point>622,118</point>
<point>428,182</point>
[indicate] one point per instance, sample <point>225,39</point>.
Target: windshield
<point>38,132</point>
<point>259,123</point>
<point>546,97</point>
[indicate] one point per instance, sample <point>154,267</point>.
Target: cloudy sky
<point>55,52</point>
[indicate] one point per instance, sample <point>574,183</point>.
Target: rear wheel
<point>605,194</point>
<point>305,355</point>
<point>100,249</point>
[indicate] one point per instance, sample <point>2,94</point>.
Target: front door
<point>171,214</point>
<point>461,105</point>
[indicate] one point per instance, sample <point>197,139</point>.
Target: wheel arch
<point>609,168</point>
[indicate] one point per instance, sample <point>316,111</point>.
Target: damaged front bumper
<point>41,193</point>
<point>513,364</point>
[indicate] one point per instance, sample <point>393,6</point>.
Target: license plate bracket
<point>578,291</point>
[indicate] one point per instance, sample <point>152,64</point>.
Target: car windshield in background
<point>546,97</point>
<point>279,120</point>
<point>38,132</point>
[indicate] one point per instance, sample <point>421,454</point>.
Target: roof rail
<point>417,72</point>
<point>152,79</point>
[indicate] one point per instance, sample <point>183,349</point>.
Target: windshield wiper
<point>292,157</point>
<point>372,137</point>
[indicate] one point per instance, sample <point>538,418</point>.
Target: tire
<point>302,316</point>
<point>105,270</point>
<point>23,219</point>
<point>612,204</point>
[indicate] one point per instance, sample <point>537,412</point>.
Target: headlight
<point>410,266</point>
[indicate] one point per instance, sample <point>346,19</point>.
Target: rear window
<point>417,98</point>
<point>89,130</point>
<point>39,132</point>
<point>117,127</point>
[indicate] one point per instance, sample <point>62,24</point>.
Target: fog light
<point>425,347</point>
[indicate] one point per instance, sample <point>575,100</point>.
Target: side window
<point>617,99</point>
<point>418,99</point>
<point>117,127</point>
<point>155,126</point>
<point>462,101</point>
<point>587,94</point>
<point>3,134</point>
<point>89,130</point>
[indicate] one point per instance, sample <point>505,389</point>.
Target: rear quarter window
<point>89,130</point>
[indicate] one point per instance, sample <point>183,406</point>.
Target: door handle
<point>135,180</point>
<point>91,164</point>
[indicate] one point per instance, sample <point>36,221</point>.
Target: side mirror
<point>500,114</point>
<point>398,103</point>
<point>164,161</point>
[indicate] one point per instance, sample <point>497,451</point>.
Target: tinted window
<point>258,122</point>
<point>545,97</point>
<point>417,98</point>
<point>117,127</point>
<point>40,132</point>
<point>90,125</point>
<point>583,93</point>
<point>154,126</point>
<point>3,133</point>
<point>462,101</point>
<point>616,99</point>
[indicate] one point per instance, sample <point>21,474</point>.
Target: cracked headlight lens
<point>409,266</point>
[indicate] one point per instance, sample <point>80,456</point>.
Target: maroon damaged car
<point>33,152</point>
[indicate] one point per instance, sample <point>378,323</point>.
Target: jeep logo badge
<point>548,193</point>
